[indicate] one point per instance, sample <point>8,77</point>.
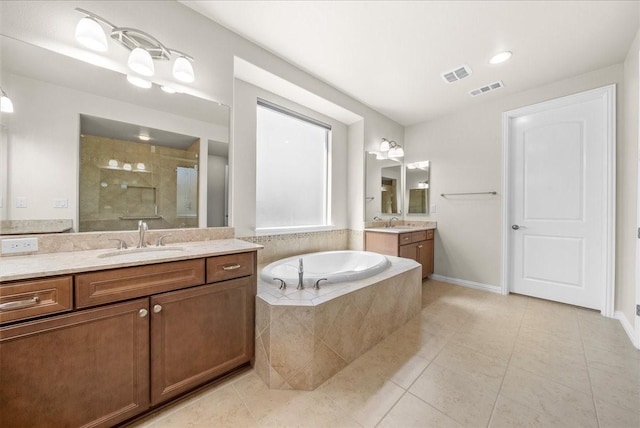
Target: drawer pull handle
<point>20,304</point>
<point>157,308</point>
<point>419,246</point>
<point>231,267</point>
<point>143,313</point>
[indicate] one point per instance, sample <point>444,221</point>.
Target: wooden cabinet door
<point>409,251</point>
<point>88,369</point>
<point>200,333</point>
<point>425,257</point>
<point>428,264</point>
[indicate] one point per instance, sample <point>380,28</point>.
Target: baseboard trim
<point>628,328</point>
<point>471,284</point>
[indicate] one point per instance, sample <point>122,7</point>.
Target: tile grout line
<point>493,411</point>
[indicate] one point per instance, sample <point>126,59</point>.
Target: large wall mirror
<point>73,147</point>
<point>417,187</point>
<point>383,186</point>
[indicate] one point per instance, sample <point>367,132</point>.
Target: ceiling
<point>390,54</point>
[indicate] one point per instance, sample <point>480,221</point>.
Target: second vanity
<point>411,242</point>
<point>88,340</point>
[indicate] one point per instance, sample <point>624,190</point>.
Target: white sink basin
<point>138,251</point>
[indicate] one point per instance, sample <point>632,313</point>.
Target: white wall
<point>465,153</point>
<point>627,192</point>
<point>216,178</point>
<point>43,142</point>
<point>244,157</point>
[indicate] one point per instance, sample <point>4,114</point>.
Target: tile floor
<point>471,358</point>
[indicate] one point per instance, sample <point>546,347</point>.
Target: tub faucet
<point>142,228</point>
<point>390,224</point>
<point>300,274</point>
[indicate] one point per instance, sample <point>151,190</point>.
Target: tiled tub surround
<point>54,243</point>
<point>303,337</point>
<point>278,247</point>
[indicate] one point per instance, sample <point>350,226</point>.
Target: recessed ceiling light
<point>500,57</point>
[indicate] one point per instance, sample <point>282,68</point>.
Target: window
<point>292,174</point>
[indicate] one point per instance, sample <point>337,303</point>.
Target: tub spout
<point>300,274</point>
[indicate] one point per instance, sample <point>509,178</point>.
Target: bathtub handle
<point>283,284</point>
<point>316,285</point>
<point>232,267</point>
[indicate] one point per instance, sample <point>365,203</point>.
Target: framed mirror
<point>40,169</point>
<point>383,186</point>
<point>417,187</point>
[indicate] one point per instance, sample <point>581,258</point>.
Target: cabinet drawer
<point>430,233</point>
<point>404,238</point>
<point>419,236</point>
<point>114,285</point>
<point>28,299</point>
<point>232,266</point>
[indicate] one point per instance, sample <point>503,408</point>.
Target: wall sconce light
<point>144,47</point>
<point>394,149</point>
<point>6,106</point>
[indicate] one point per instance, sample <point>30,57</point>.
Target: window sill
<point>291,230</point>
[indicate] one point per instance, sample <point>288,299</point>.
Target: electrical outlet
<point>433,209</point>
<point>21,202</point>
<point>19,245</point>
<point>60,203</point>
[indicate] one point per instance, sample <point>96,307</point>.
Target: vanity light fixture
<point>127,167</point>
<point>144,47</point>
<point>500,57</point>
<point>6,106</point>
<point>140,166</point>
<point>113,163</point>
<point>393,149</point>
<point>138,81</point>
<point>143,137</point>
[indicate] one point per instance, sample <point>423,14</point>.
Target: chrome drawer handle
<point>20,304</point>
<point>232,267</point>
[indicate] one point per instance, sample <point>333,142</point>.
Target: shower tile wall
<point>108,193</point>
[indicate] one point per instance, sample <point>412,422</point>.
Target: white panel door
<point>557,199</point>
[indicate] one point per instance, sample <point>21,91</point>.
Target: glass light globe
<point>183,70</point>
<point>141,62</point>
<point>90,34</point>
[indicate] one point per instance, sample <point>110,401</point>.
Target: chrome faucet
<point>390,224</point>
<point>300,274</point>
<point>142,228</point>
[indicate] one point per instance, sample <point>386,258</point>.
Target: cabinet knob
<point>143,313</point>
<point>419,246</point>
<point>157,308</point>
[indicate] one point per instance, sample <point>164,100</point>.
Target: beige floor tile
<point>615,362</point>
<point>543,395</point>
<point>220,408</point>
<point>562,324</point>
<point>486,342</point>
<point>622,391</point>
<point>511,414</point>
<point>536,340</point>
<point>365,398</point>
<point>611,416</point>
<point>463,399</point>
<point>410,412</point>
<point>485,370</point>
<point>568,370</point>
<point>259,399</point>
<point>310,409</point>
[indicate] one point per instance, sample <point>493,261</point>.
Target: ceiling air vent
<point>487,88</point>
<point>457,74</point>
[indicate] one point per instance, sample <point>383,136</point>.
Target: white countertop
<point>400,229</point>
<point>62,263</point>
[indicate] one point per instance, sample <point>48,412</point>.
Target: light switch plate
<point>21,202</point>
<point>433,208</point>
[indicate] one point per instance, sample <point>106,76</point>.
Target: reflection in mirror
<point>123,180</point>
<point>382,173</point>
<point>417,187</point>
<point>51,92</point>
<point>390,182</point>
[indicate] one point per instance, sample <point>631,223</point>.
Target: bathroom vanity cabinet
<point>135,338</point>
<point>411,244</point>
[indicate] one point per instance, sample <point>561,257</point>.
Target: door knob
<point>516,227</point>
